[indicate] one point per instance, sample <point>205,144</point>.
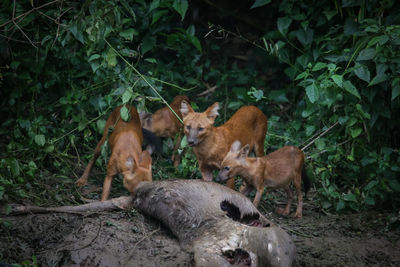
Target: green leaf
<point>259,3</point>
<point>340,205</point>
<point>157,15</point>
<point>196,43</point>
<point>111,58</point>
<point>380,77</point>
<point>148,43</point>
<point>350,197</point>
<point>305,37</point>
<point>338,79</point>
<point>366,54</point>
<point>100,125</point>
<point>349,87</point>
<point>395,91</point>
<point>283,24</point>
<point>371,185</point>
<point>40,139</point>
<point>362,72</point>
<point>127,96</point>
<point>181,7</point>
<point>355,132</point>
<point>301,76</point>
<point>362,112</point>
<point>128,34</point>
<point>155,4</point>
<point>319,66</point>
<point>395,185</point>
<point>15,168</point>
<point>378,39</point>
<point>151,60</point>
<point>312,92</point>
<point>320,144</point>
<point>124,113</point>
<point>93,57</point>
<point>369,200</point>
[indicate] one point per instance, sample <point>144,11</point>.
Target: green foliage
<point>326,75</point>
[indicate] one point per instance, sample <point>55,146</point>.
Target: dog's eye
<point>227,168</point>
<point>188,127</point>
<point>201,129</point>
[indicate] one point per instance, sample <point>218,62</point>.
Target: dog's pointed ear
<point>244,152</point>
<point>186,108</point>
<point>145,159</point>
<point>212,111</point>
<point>130,163</point>
<point>235,147</point>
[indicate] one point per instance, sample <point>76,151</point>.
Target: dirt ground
<point>131,239</point>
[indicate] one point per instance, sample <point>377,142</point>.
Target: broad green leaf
<point>312,92</point>
<point>305,37</point>
<point>366,54</point>
<point>340,205</point>
<point>124,113</point>
<point>196,43</point>
<point>40,139</point>
<point>338,79</point>
<point>278,96</point>
<point>148,43</point>
<point>259,3</point>
<point>157,15</point>
<point>380,77</point>
<point>15,168</point>
<point>350,197</point>
<point>395,91</point>
<point>128,34</point>
<point>371,185</point>
<point>369,200</point>
<point>155,4</point>
<point>111,58</point>
<point>49,148</point>
<point>362,72</point>
<point>76,33</point>
<point>378,39</point>
<point>349,87</point>
<point>283,24</point>
<point>181,7</point>
<point>100,125</point>
<point>93,57</point>
<point>320,144</point>
<point>350,27</point>
<point>319,66</point>
<point>126,96</point>
<point>355,132</point>
<point>301,76</point>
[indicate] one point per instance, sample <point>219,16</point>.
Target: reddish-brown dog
<point>211,144</point>
<point>164,123</point>
<point>275,170</point>
<point>126,157</point>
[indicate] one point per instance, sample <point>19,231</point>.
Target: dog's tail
<point>152,140</point>
<point>306,181</point>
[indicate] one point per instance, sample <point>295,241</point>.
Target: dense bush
<point>326,74</point>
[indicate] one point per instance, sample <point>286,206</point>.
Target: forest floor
<point>128,238</point>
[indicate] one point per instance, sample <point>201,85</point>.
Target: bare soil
<point>131,239</point>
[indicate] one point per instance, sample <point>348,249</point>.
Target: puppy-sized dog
<point>275,170</point>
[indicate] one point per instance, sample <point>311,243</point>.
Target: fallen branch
<point>319,136</point>
<point>120,203</point>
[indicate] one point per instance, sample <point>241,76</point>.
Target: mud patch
<point>107,239</point>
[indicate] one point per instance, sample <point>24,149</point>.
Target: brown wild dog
<point>164,123</point>
<point>275,170</point>
<point>211,144</point>
<point>126,157</point>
